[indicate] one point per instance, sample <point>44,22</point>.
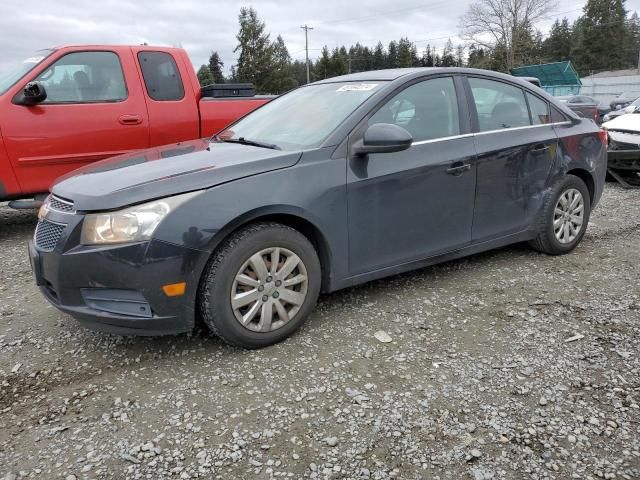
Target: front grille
<point>48,234</point>
<point>614,145</point>
<point>60,204</point>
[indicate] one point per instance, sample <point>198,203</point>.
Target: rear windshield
<point>10,74</point>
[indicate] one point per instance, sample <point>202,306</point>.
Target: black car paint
<point>181,168</point>
<point>368,217</point>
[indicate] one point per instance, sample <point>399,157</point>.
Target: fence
<point>605,89</point>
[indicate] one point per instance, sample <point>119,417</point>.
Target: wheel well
<point>586,178</point>
<point>308,230</point>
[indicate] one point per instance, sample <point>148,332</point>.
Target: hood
<point>169,170</point>
<point>629,122</point>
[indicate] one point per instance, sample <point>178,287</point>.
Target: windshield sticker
<point>357,87</point>
<point>34,60</point>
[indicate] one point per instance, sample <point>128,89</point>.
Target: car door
<point>516,147</point>
<point>90,113</point>
<point>416,203</point>
<point>173,111</point>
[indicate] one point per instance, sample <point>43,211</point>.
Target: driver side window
<point>427,110</point>
<point>84,77</point>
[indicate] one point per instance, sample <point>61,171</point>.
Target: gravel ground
<point>505,365</point>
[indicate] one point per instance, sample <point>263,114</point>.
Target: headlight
<point>133,224</point>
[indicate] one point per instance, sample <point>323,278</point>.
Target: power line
<point>381,14</point>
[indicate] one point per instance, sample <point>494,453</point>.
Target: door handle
<point>538,149</point>
<point>130,119</point>
<point>458,168</point>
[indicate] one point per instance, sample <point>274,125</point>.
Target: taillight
<point>604,137</point>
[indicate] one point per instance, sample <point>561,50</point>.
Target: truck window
<point>84,77</point>
<point>161,76</point>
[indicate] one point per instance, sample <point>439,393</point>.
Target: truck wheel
<point>564,217</point>
<point>260,285</point>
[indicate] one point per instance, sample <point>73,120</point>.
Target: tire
<point>547,240</point>
<point>235,272</point>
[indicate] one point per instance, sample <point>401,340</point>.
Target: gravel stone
<point>508,365</point>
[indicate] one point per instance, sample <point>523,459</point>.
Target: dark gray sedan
<point>337,183</point>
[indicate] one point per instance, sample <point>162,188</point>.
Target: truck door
<point>91,112</point>
<point>173,110</point>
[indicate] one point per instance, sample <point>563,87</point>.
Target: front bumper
<point>624,160</point>
<point>118,289</point>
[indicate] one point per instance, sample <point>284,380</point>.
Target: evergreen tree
<point>323,64</point>
<point>427,57</point>
<point>392,55</point>
<point>448,58</point>
<point>601,32</point>
<point>255,56</point>
<point>204,76</point>
<point>339,62</point>
<point>460,56</point>
<point>299,71</point>
<point>557,46</point>
<point>406,53</point>
<point>280,79</point>
<point>366,62</point>
<point>379,57</point>
<point>215,67</point>
<point>631,46</point>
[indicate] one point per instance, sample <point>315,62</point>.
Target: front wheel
<point>564,217</point>
<point>260,285</point>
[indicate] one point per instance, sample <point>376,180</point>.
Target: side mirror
<point>383,138</point>
<point>33,93</point>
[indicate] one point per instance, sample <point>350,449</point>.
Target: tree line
<point>500,35</point>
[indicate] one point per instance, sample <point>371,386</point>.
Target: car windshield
<point>14,72</point>
<point>303,118</point>
<point>635,103</point>
<point>625,95</point>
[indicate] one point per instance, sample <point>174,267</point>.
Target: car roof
<point>395,73</point>
<point>407,74</point>
<point>112,46</point>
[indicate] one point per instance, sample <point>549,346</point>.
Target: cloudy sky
<point>201,26</point>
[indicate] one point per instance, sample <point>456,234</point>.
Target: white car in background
<point>624,149</point>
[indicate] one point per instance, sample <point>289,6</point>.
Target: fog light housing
<point>129,303</point>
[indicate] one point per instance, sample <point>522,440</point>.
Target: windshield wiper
<point>253,143</point>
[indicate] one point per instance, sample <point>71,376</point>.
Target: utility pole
<point>349,63</point>
<point>306,29</point>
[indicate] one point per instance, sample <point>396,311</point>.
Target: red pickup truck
<point>65,107</point>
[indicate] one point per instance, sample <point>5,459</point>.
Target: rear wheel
<point>564,217</point>
<point>260,285</point>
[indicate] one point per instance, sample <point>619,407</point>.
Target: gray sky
<point>201,26</point>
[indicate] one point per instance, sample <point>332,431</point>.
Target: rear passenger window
<point>556,116</point>
<point>539,110</point>
<point>499,105</point>
<point>161,76</point>
<point>428,110</point>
